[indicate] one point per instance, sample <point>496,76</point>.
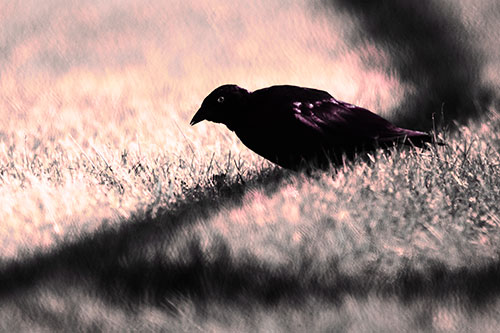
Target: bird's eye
<point>220,99</point>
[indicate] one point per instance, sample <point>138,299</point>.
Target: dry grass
<point>96,100</point>
<point>405,241</point>
<point>116,215</point>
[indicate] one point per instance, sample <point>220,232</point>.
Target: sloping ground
<point>116,215</point>
<point>407,240</point>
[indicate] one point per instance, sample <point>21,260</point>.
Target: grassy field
<point>405,241</point>
<point>117,216</point>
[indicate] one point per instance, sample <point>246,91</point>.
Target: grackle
<point>297,127</point>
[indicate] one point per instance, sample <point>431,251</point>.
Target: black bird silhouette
<point>297,127</point>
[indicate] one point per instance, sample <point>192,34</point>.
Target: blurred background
<point>131,61</point>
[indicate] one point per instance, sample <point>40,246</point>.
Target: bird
<point>297,127</point>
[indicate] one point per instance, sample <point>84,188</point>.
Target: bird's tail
<point>420,139</point>
<point>414,138</point>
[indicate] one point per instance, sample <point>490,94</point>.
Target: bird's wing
<point>319,117</point>
<point>337,119</point>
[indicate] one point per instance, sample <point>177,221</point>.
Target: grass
<point>404,241</point>
<point>116,215</point>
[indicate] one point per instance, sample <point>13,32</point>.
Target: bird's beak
<point>198,116</point>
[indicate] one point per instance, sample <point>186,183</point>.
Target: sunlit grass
<point>107,192</point>
<point>116,215</point>
<point>54,189</point>
<point>80,149</point>
<point>405,239</point>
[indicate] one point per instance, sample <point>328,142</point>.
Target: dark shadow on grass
<point>96,252</point>
<point>112,265</point>
<point>245,281</point>
<point>431,50</point>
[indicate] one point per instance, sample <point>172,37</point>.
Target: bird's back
<point>289,125</point>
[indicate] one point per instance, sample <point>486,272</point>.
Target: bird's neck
<point>239,117</point>
<point>234,123</point>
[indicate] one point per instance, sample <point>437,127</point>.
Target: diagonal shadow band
<point>105,263</point>
<point>245,281</point>
<point>99,250</point>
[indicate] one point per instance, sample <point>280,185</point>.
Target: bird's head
<point>221,105</point>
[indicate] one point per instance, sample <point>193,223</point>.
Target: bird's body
<point>294,126</point>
